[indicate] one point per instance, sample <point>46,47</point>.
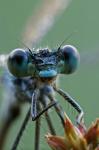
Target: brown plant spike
<point>76,137</point>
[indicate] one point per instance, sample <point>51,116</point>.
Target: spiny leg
<point>35,115</point>
<point>17,140</point>
<point>48,91</point>
<point>19,135</point>
<point>68,98</point>
<point>58,109</point>
<point>49,122</point>
<point>34,105</point>
<point>37,135</point>
<point>47,117</point>
<point>36,112</point>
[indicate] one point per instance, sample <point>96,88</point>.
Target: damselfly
<point>34,75</point>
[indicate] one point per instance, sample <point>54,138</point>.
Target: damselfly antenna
<point>68,37</point>
<point>29,49</point>
<point>24,45</point>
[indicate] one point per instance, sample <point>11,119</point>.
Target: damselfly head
<point>43,63</point>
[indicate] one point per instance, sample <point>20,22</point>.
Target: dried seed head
<point>76,138</point>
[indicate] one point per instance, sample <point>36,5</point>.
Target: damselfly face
<point>43,63</point>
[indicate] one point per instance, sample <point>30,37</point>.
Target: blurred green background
<point>81,15</point>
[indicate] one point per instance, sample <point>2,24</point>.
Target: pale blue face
<point>43,63</point>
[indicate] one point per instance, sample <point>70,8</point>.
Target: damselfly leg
<point>70,100</point>
<point>34,109</point>
<point>37,134</point>
<point>16,142</point>
<point>37,128</point>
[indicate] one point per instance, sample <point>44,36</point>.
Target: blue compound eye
<point>71,59</point>
<point>18,62</point>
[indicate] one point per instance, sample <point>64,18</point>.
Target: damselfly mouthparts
<point>32,76</point>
